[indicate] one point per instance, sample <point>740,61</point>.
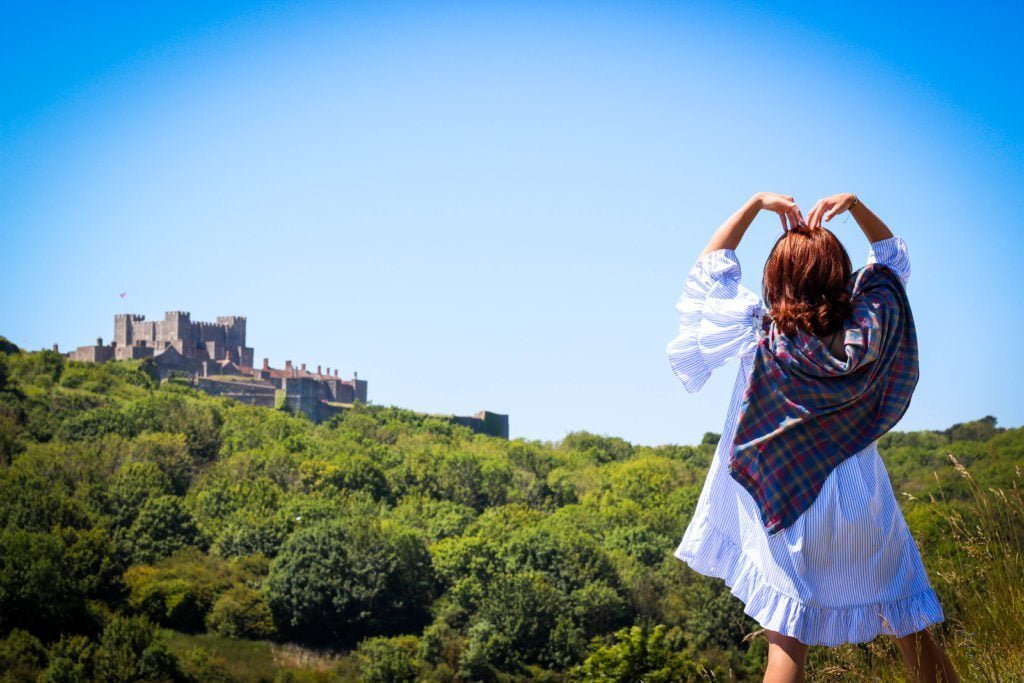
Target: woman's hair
<point>805,282</point>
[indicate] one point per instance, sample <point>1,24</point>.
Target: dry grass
<point>293,656</point>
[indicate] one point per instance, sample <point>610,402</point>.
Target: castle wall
<point>93,354</point>
<point>132,352</point>
<point>145,333</point>
<point>485,422</point>
<point>244,392</point>
<point>246,356</point>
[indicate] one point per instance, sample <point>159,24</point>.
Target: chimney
<point>335,372</point>
<point>303,367</point>
<point>318,370</point>
<point>287,366</point>
<point>99,341</point>
<point>266,363</point>
<point>328,371</point>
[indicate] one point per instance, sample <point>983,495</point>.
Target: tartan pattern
<point>804,411</point>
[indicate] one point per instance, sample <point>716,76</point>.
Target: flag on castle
<point>124,294</point>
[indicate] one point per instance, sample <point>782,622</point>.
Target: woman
<point>821,554</point>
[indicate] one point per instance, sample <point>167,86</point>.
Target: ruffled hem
<point>719,557</point>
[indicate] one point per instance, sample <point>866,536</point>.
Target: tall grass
<point>981,586</point>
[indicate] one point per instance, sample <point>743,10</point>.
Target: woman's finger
<point>794,218</point>
<point>812,216</point>
<point>817,216</point>
<point>783,219</point>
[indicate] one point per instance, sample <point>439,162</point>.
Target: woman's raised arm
<point>729,233</point>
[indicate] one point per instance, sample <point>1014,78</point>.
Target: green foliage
<point>7,347</point>
<point>339,580</point>
<point>125,499</point>
<point>638,653</point>
<point>180,591</point>
<point>599,449</point>
<point>162,526</point>
<point>106,377</point>
<point>241,612</point>
<point>129,650</point>
<point>40,368</point>
<point>388,660</point>
<point>70,660</point>
<point>40,585</point>
<point>710,439</point>
<point>22,656</point>
<point>522,609</point>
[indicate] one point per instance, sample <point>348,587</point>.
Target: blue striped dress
<point>848,569</point>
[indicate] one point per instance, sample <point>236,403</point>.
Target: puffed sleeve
<point>719,319</point>
<point>892,251</point>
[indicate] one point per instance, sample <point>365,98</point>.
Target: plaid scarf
<point>805,411</point>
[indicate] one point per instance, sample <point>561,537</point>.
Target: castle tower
<point>234,329</point>
<point>123,328</point>
<point>177,325</point>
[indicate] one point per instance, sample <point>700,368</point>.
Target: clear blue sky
<point>487,205</point>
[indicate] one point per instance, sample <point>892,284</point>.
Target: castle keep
<point>136,337</point>
<point>214,357</point>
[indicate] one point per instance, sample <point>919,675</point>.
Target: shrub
<point>241,612</point>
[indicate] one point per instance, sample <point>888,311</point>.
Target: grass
<point>257,661</point>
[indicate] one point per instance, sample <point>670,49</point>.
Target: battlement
<point>184,313</point>
<point>134,317</point>
<point>230,319</point>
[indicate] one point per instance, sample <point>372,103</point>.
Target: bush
<point>179,591</point>
<point>388,660</point>
<point>130,651</point>
<point>22,656</point>
<point>241,612</point>
<point>71,660</point>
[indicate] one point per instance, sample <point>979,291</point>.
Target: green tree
<point>129,651</point>
<point>388,660</point>
<point>241,612</point>
<point>162,527</point>
<point>38,590</point>
<point>523,609</point>
<point>347,579</point>
<point>22,656</point>
<point>70,660</point>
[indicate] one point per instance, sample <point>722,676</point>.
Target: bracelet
<point>855,200</point>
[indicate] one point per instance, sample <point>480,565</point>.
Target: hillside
<point>151,532</point>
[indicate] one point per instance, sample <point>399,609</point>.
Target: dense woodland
<point>150,532</point>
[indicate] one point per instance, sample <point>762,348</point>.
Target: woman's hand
<point>730,232</point>
<point>829,207</point>
<point>784,205</point>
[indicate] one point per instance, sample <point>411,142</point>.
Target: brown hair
<point>805,282</point>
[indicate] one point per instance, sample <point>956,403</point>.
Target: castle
<point>214,357</point>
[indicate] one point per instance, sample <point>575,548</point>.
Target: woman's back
<point>848,569</point>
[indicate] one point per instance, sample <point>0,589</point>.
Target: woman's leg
<point>925,659</point>
<point>786,658</point>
